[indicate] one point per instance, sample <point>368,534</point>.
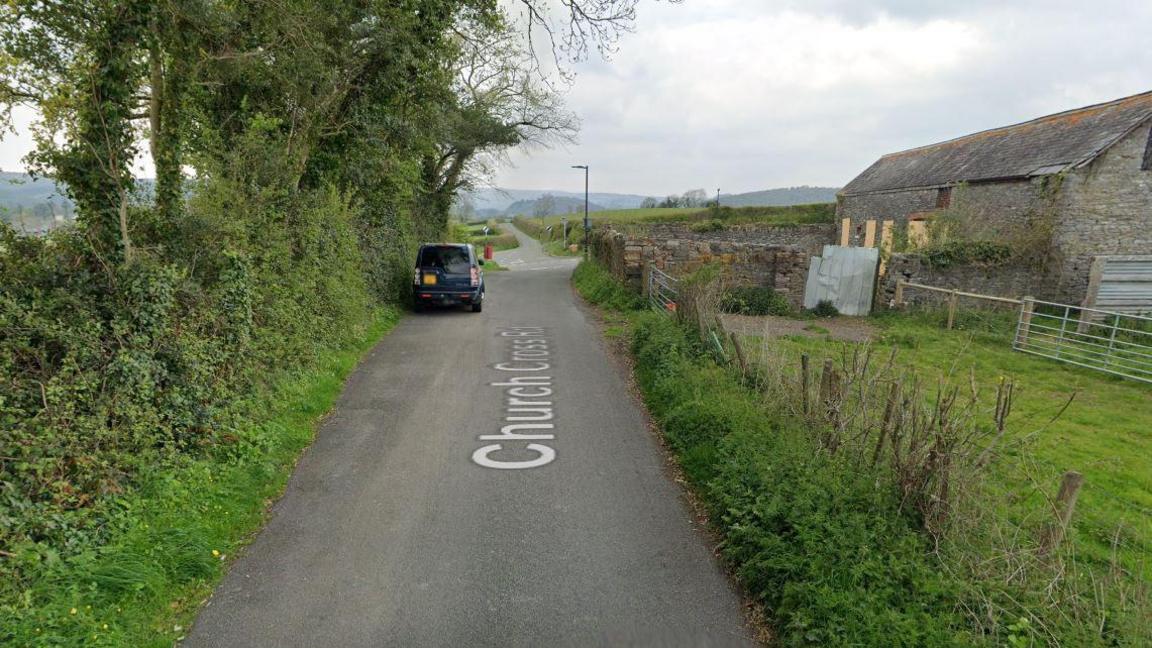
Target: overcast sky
<point>754,94</point>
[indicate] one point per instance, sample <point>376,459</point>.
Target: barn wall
<point>1106,209</point>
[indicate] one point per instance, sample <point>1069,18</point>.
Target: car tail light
<point>416,277</point>
<point>475,276</point>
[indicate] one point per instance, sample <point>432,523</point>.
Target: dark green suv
<point>448,274</point>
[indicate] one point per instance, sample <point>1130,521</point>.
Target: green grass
<point>498,237</point>
<point>837,561</point>
<point>1105,434</point>
<point>172,538</point>
<point>553,244</point>
<point>709,217</point>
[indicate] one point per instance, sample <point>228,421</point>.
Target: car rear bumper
<point>447,297</point>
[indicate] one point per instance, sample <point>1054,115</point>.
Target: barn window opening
<point>1147,165</point>
<point>917,232</point>
<point>943,197</point>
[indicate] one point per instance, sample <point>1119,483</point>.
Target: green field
<point>793,215</point>
<point>1105,433</point>
<point>498,237</point>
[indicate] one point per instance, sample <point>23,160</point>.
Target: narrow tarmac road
<point>445,504</point>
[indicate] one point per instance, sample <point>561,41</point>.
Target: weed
<point>825,308</point>
<point>754,300</point>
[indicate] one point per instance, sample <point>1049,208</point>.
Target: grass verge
<point>552,242</point>
<point>825,542</point>
<point>171,538</point>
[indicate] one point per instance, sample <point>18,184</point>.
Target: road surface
<point>402,526</point>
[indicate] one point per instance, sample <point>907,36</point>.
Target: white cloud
<point>743,97</point>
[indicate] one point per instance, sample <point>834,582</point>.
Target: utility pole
<point>587,225</point>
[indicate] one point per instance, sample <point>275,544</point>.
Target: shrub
<point>598,286</point>
<point>825,308</point>
<point>754,300</point>
<point>960,252</point>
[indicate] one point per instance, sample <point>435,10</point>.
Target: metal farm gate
<point>1121,284</point>
<point>1116,343</point>
<point>661,289</point>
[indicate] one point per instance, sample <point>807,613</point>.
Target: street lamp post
<point>587,226</point>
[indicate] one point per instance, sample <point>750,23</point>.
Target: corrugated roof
<point>1039,147</point>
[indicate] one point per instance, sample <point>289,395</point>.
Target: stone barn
<point>1078,182</point>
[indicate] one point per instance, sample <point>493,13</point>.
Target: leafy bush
<point>961,252</point>
<point>754,300</point>
<point>531,227</point>
<point>825,308</point>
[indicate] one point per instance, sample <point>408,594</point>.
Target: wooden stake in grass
<point>889,416</point>
<point>830,398</point>
<point>953,297</point>
<point>1065,505</point>
<point>805,380</point>
<point>739,353</point>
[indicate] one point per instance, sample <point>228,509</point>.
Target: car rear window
<point>448,258</point>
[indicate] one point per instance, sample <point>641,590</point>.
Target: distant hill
<point>781,197</point>
<point>33,205</point>
<point>561,205</point>
<point>491,202</point>
<point>494,198</point>
<point>20,189</point>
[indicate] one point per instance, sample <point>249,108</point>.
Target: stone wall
<point>1005,280</point>
<point>678,250</point>
<point>811,238</point>
<point>1105,209</point>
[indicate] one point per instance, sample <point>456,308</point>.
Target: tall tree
<point>500,102</point>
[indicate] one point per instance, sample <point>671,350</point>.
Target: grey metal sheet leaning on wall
<point>845,276</point>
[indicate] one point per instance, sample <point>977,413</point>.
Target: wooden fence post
<point>899,299</point>
<point>830,392</point>
<point>1026,309</point>
<point>804,381</point>
<point>952,299</point>
<point>889,416</point>
<point>1065,506</point>
<point>739,353</point>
